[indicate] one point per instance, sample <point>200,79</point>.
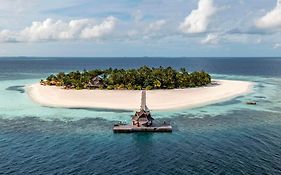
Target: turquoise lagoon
<point>224,138</point>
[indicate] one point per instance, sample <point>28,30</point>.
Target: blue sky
<point>140,28</point>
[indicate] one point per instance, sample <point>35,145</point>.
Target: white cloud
<point>155,26</point>
<point>197,21</point>
<point>137,16</point>
<point>100,30</point>
<point>277,45</point>
<point>258,40</point>
<point>222,38</point>
<point>148,30</point>
<point>132,33</point>
<point>211,39</point>
<point>271,19</point>
<point>51,30</point>
<point>7,36</point>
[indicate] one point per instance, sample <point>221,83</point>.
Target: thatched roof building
<point>142,117</point>
<point>96,82</point>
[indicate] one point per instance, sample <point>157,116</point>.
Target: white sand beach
<point>221,90</point>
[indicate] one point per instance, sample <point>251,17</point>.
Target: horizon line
<point>140,57</point>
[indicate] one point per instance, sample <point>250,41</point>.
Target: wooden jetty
<point>132,128</point>
<point>142,121</point>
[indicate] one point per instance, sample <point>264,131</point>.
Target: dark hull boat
<point>251,103</point>
<point>142,121</point>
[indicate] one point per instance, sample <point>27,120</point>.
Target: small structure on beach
<point>142,121</point>
<point>96,82</point>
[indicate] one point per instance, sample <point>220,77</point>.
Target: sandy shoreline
<point>130,99</point>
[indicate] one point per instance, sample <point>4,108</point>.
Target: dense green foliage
<point>141,78</point>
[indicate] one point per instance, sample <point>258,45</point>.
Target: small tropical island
<point>143,78</point>
<point>119,89</point>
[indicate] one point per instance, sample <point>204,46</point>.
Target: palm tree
<point>141,78</point>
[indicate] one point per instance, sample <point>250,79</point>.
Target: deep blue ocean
<point>224,138</point>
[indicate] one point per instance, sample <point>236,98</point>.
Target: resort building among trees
<point>96,82</point>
